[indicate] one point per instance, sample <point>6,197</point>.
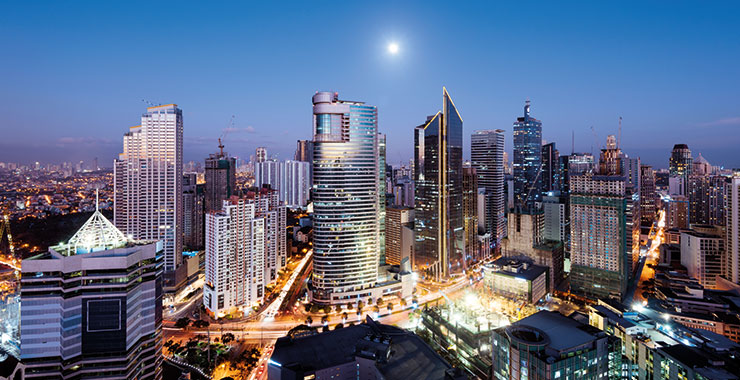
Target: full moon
<point>393,48</point>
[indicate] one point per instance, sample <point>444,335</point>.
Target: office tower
<point>648,195</point>
<point>470,213</point>
<point>147,192</point>
<point>295,183</point>
<point>396,247</point>
<point>524,239</point>
<point>403,192</point>
<point>304,151</point>
<point>438,200</point>
<point>220,179</point>
<point>487,157</point>
<point>680,164</point>
<point>260,154</point>
<point>549,345</point>
<point>564,163</point>
<point>601,258</point>
<point>706,199</point>
<point>346,226</point>
<point>579,163</point>
<point>732,215</point>
<point>381,194</point>
<point>610,160</point>
<point>193,209</point>
<point>550,168</point>
<point>235,258</point>
<point>703,253</point>
<point>92,307</point>
<point>527,162</point>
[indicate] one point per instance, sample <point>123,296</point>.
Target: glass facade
<point>527,162</point>
<point>487,157</point>
<point>346,201</point>
<point>440,237</point>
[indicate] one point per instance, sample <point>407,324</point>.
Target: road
<point>652,258</point>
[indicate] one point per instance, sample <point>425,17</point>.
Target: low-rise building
<point>517,279</point>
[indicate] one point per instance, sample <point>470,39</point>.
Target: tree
<point>201,324</point>
<point>182,322</point>
<point>315,309</point>
<point>339,326</point>
<point>390,307</point>
<point>350,305</point>
<point>403,303</point>
<point>338,308</point>
<point>344,316</point>
<point>324,319</point>
<point>360,305</point>
<point>168,343</point>
<point>369,300</point>
<point>307,307</point>
<point>309,320</point>
<point>376,309</point>
<point>227,338</point>
<point>174,349</point>
<point>379,302</point>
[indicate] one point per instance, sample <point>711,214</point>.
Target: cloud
<point>722,122</point>
<point>249,129</point>
<point>66,141</point>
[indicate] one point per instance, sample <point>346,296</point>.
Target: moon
<point>393,48</point>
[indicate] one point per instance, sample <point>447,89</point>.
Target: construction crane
<point>150,104</point>
<point>224,133</point>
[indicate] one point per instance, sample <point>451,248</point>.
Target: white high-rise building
<point>487,157</point>
<point>148,182</point>
<point>732,215</point>
<point>290,178</point>
<point>346,201</point>
<point>245,249</point>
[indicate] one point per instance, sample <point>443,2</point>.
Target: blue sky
<point>74,73</point>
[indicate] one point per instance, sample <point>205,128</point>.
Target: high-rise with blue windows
<point>527,162</point>
<point>440,237</point>
<point>346,200</point>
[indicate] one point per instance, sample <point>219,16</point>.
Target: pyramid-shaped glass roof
<point>97,234</point>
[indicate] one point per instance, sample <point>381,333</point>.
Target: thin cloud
<point>722,122</point>
<point>66,141</point>
<point>249,129</point>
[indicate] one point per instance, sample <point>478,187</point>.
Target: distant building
<point>648,195</point>
<point>220,179</point>
<point>527,162</point>
<point>681,164</point>
<point>556,224</point>
<point>193,206</point>
<point>677,211</point>
<point>403,192</point>
<point>549,345</point>
<point>260,155</point>
<point>304,151</point>
<point>525,240</point>
<point>706,195</point>
<point>516,279</point>
<point>487,157</point>
<point>148,182</point>
<point>106,321</point>
<point>440,240</point>
<point>550,168</point>
<point>365,351</point>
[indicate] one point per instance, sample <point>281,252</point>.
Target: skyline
<point>76,79</point>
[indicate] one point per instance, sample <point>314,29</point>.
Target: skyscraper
<point>397,248</point>
<point>550,168</point>
<point>681,164</point>
<point>148,182</point>
<point>707,199</point>
<point>732,227</point>
<point>382,190</point>
<point>470,213</point>
<point>220,179</point>
<point>648,194</point>
<point>346,200</point>
<point>295,183</point>
<point>527,162</point>
<point>92,307</point>
<point>267,172</point>
<point>193,200</point>
<point>438,200</point>
<point>487,157</point>
<point>304,151</point>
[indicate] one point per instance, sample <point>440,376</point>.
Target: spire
<point>526,108</point>
<point>97,200</point>
<point>97,234</point>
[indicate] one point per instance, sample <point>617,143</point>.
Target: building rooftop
<point>398,354</point>
<point>564,333</point>
<point>516,268</point>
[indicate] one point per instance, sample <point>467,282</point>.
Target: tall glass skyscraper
<point>527,162</point>
<point>345,194</point>
<point>439,247</point>
<point>487,157</point>
<point>381,194</point>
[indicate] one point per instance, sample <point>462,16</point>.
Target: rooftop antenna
<point>572,142</point>
<point>619,136</point>
<point>150,104</point>
<point>97,202</point>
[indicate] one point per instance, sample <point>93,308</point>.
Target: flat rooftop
<point>564,333</point>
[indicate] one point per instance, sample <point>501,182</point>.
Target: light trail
<point>269,313</point>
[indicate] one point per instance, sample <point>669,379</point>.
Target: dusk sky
<point>74,73</point>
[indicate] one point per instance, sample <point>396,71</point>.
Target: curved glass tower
<point>345,194</point>
<point>527,162</point>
